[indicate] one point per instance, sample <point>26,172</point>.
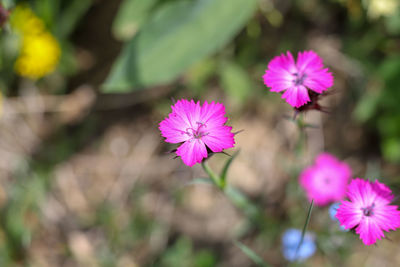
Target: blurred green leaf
<point>236,81</point>
<point>393,23</point>
<point>391,149</point>
<point>198,75</point>
<point>240,201</point>
<point>131,15</point>
<point>178,35</point>
<point>367,106</point>
<point>205,181</point>
<point>251,254</point>
<point>70,15</point>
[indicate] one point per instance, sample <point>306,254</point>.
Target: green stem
<point>214,177</point>
<point>303,233</point>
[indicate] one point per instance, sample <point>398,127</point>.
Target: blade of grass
<point>251,254</point>
<point>304,228</point>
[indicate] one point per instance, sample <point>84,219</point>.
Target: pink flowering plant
<point>297,78</point>
<point>199,129</point>
<point>326,180</point>
<point>369,210</point>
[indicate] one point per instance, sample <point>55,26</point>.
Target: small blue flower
<point>290,241</point>
<point>332,212</point>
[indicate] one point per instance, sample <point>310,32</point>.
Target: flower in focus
<point>290,245</point>
<point>295,78</point>
<point>199,128</point>
<point>326,180</point>
<point>368,210</point>
<point>332,213</point>
<point>40,52</point>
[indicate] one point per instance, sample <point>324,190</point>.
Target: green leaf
<point>70,16</point>
<point>176,36</point>
<point>251,254</point>
<point>226,167</point>
<point>243,203</point>
<point>131,15</point>
<point>236,81</point>
<point>204,181</point>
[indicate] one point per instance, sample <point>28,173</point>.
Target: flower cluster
<point>40,51</point>
<point>200,130</point>
<point>368,210</point>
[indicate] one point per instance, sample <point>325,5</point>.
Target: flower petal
<point>219,138</point>
<point>369,231</point>
<point>296,96</point>
<point>192,152</point>
<point>279,75</point>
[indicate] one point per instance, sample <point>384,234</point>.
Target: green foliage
<point>132,14</point>
<point>251,254</point>
<point>176,36</point>
<point>236,81</point>
<point>379,107</point>
<point>181,254</point>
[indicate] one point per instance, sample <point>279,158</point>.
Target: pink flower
<point>284,74</point>
<point>199,128</point>
<point>368,210</point>
<point>326,180</point>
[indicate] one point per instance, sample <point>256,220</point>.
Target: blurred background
<point>85,177</point>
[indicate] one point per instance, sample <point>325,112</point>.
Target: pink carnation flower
<point>368,210</point>
<point>284,74</point>
<point>199,128</point>
<point>326,180</point>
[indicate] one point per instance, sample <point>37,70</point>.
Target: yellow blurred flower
<point>38,56</point>
<point>24,21</point>
<point>377,8</point>
<point>40,51</point>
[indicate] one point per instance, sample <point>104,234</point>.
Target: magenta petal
<point>192,152</point>
<point>219,139</point>
<point>173,129</point>
<point>318,80</point>
<point>349,215</point>
<point>296,96</point>
<point>213,115</point>
<point>369,231</point>
<point>308,60</point>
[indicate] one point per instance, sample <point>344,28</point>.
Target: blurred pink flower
<point>368,210</point>
<point>198,128</point>
<point>284,74</point>
<point>326,180</point>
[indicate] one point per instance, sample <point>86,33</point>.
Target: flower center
<point>299,78</point>
<point>368,211</point>
<point>197,132</point>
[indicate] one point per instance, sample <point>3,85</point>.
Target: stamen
<point>299,78</point>
<point>368,211</point>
